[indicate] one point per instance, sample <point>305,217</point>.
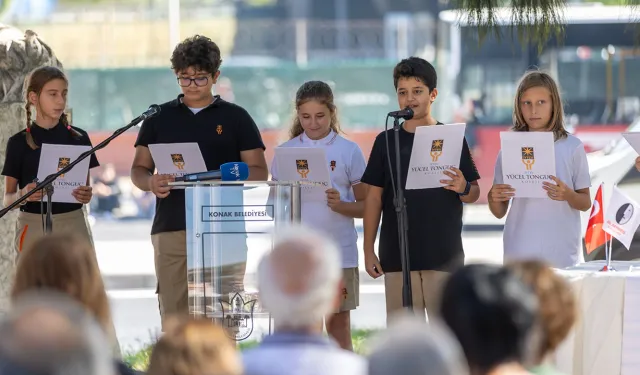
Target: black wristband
<point>467,189</point>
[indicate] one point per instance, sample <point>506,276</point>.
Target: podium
<point>230,226</point>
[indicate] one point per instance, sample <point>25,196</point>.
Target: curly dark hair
<point>198,52</point>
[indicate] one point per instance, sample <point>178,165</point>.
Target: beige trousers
<point>170,255</point>
<point>29,228</point>
<point>426,288</point>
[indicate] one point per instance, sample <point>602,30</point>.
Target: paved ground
<point>125,256</point>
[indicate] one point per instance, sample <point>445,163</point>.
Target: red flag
<point>595,236</point>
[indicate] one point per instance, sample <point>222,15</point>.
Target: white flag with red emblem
<point>622,217</point>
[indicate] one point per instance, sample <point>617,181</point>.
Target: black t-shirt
<point>222,130</point>
<point>434,215</point>
<point>21,162</point>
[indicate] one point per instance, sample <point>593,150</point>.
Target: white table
<point>606,337</point>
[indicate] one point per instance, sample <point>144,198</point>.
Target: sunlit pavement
<point>125,256</point>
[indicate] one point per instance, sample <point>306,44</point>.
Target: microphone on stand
<point>153,110</point>
<point>406,114</point>
<point>400,204</point>
<point>236,171</point>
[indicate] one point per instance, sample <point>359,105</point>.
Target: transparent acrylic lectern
<point>230,226</point>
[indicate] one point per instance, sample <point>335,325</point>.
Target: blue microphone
<point>236,171</point>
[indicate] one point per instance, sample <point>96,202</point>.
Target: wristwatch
<point>467,189</point>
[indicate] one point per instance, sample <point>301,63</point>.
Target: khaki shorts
<point>426,288</point>
<point>29,228</point>
<point>350,290</point>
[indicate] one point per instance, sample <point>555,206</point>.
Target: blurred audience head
<point>493,314</point>
<point>75,273</point>
<point>411,347</point>
<point>194,347</point>
<point>557,307</point>
<point>48,333</point>
<point>300,279</point>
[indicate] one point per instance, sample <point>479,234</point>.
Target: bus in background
<point>594,64</point>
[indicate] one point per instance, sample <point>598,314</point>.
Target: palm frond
<point>634,10</point>
<point>533,21</point>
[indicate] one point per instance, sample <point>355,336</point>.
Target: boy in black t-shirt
<point>434,215</point>
<point>225,132</point>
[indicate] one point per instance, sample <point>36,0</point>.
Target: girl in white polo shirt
<point>316,125</point>
<point>544,229</point>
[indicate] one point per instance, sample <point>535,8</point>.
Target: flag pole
<point>610,253</point>
<point>610,236</point>
<point>607,254</point>
<point>608,244</point>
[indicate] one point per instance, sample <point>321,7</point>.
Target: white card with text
<point>436,148</point>
<point>55,157</point>
<point>528,160</point>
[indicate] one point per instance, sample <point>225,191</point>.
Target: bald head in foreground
<point>300,282</point>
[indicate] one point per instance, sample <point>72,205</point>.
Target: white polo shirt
<point>544,229</point>
<point>346,165</point>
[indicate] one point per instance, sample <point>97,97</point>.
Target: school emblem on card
<point>219,129</point>
<point>237,316</point>
<point>528,159</point>
<point>178,161</point>
<point>63,162</point>
<point>436,149</point>
<point>332,165</point>
<point>303,167</point>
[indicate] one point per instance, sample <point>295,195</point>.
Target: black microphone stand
<point>47,183</point>
<point>400,205</point>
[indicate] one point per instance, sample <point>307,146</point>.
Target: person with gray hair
<point>47,333</point>
<point>299,282</point>
<point>411,347</point>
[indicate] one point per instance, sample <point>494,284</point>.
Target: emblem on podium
<point>237,316</point>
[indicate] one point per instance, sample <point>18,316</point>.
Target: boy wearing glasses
<point>225,133</point>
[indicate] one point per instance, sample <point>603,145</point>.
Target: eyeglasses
<point>199,81</point>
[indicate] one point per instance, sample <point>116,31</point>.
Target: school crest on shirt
<point>528,157</point>
<point>332,165</point>
<point>178,161</point>
<point>237,316</point>
<point>302,165</point>
<point>62,163</point>
<point>219,129</point>
<point>436,149</point>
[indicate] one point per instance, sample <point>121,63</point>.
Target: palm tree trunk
<point>21,53</point>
